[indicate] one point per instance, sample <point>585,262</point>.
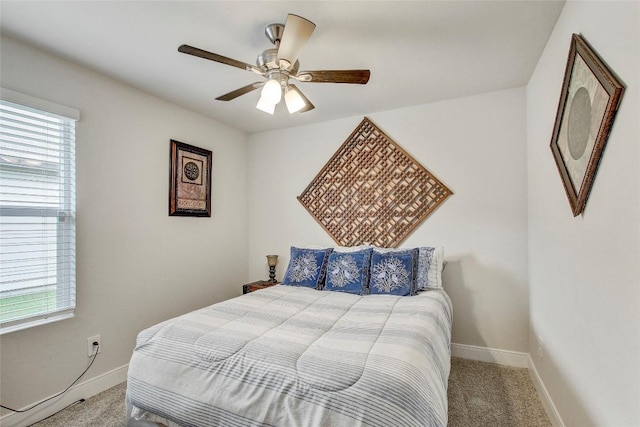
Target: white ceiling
<point>418,51</point>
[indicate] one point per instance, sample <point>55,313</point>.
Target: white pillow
<point>430,265</point>
<point>343,249</point>
<point>347,249</point>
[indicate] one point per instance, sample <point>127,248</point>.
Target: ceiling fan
<point>279,65</point>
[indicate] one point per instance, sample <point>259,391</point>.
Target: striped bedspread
<point>290,356</point>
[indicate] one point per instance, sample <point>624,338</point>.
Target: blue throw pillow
<point>394,273</point>
<point>307,267</point>
<point>348,272</point>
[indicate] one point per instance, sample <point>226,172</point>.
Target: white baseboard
<point>83,390</point>
<point>491,355</point>
<point>548,404</point>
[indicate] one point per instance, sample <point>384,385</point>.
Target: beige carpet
<point>484,394</point>
<point>480,394</point>
<point>102,410</point>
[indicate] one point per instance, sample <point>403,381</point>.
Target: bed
<point>296,356</point>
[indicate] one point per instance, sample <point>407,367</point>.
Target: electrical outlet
<point>91,349</point>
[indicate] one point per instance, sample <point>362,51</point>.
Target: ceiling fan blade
<point>307,104</point>
<point>236,93</point>
<point>360,77</point>
<point>297,31</point>
<point>190,50</point>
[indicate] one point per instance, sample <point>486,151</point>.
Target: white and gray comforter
<point>290,356</point>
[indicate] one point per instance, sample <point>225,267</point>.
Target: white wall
<point>476,146</point>
<point>584,271</point>
<point>136,265</point>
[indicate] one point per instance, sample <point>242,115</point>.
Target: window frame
<point>65,276</point>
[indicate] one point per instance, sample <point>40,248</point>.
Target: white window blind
<point>37,212</point>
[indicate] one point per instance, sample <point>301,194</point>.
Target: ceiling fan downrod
<point>274,33</point>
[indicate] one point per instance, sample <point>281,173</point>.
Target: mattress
<point>295,356</point>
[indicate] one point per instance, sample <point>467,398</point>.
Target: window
<point>37,211</point>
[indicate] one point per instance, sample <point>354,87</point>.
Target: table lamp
<point>272,260</point>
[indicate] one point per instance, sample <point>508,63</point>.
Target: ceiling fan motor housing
<point>268,61</point>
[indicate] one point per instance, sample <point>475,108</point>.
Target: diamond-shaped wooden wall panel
<point>372,191</point>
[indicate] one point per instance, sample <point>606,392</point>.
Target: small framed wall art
<point>190,180</point>
<point>590,97</point>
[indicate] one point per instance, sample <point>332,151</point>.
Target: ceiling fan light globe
<point>266,106</point>
<point>294,101</point>
<point>271,92</point>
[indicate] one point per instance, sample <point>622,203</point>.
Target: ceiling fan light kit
<point>293,100</point>
<point>280,64</point>
<point>266,106</point>
<point>272,92</point>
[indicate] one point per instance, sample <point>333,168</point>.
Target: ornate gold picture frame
<point>590,97</point>
<point>190,180</point>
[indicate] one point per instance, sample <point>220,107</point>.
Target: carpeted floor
<point>480,394</point>
<point>102,410</point>
<point>484,394</point>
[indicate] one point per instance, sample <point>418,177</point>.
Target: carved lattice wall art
<point>372,191</point>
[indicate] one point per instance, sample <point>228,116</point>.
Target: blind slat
<point>37,215</point>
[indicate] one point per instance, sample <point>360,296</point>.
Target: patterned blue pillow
<point>307,267</point>
<point>348,271</point>
<point>394,273</point>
